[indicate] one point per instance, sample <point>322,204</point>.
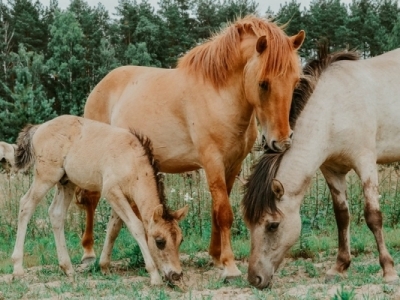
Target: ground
<point>294,281</point>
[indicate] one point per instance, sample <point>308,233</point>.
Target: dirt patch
<point>202,282</point>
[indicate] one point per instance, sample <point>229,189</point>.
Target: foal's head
<point>164,237</point>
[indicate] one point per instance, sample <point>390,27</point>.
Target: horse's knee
<point>224,217</point>
<point>373,218</point>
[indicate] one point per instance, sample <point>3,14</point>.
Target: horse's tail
<point>24,155</point>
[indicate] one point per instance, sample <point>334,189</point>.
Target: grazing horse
<point>349,120</point>
<point>70,151</point>
<point>7,160</point>
<point>203,113</point>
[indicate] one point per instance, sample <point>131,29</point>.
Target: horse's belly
<point>84,172</point>
<point>388,154</point>
<point>177,165</point>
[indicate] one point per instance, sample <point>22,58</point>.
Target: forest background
<point>51,58</point>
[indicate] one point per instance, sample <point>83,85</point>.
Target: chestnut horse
<point>69,151</point>
<point>203,113</point>
<point>350,121</point>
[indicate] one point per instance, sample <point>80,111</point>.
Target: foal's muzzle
<point>173,276</point>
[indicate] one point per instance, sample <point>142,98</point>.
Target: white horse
<point>351,121</point>
<point>7,156</point>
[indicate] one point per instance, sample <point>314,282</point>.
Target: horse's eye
<point>273,226</point>
<point>263,85</point>
<point>160,242</point>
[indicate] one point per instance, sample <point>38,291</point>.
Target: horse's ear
<point>298,39</point>
<point>180,214</point>
<point>261,44</point>
<point>277,188</point>
<point>158,212</point>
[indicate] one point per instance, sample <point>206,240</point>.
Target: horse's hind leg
<point>113,228</point>
<point>57,211</point>
<point>88,200</point>
<point>367,171</point>
<point>27,206</point>
<point>337,186</point>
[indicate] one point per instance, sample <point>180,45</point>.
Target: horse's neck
<point>146,199</point>
<point>309,150</point>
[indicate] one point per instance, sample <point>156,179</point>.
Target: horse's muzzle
<point>259,281</point>
<point>173,276</point>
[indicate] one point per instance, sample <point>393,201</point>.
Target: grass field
<point>300,277</point>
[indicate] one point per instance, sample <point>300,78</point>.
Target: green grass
<point>306,265</point>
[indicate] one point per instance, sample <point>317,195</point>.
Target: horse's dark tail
<point>24,155</point>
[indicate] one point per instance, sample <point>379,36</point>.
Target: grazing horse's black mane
<point>148,150</point>
<point>259,197</point>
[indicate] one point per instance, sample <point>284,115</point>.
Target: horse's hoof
<point>88,260</point>
<point>217,263</point>
<point>105,271</point>
<point>392,279</point>
<point>18,274</point>
<point>231,273</point>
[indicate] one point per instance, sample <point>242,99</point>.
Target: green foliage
<point>27,101</point>
<point>78,46</point>
<point>67,63</point>
<point>344,294</point>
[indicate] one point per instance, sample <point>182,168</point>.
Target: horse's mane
<point>311,73</point>
<point>148,150</point>
<point>216,59</point>
<point>259,197</point>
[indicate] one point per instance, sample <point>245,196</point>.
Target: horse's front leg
<point>222,219</point>
<point>88,200</point>
<point>121,207</point>
<point>367,171</point>
<point>337,186</point>
<point>113,228</point>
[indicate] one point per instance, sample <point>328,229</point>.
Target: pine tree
<point>178,34</point>
<point>26,21</point>
<point>29,103</point>
<point>67,64</point>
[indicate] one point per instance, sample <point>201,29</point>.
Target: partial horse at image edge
<point>7,160</point>
<point>349,120</point>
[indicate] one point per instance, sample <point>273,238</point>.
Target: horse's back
<point>87,150</point>
<point>364,103</point>
<point>111,88</point>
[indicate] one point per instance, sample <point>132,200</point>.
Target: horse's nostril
<point>258,280</point>
<point>176,276</point>
<point>291,135</point>
<point>275,146</point>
